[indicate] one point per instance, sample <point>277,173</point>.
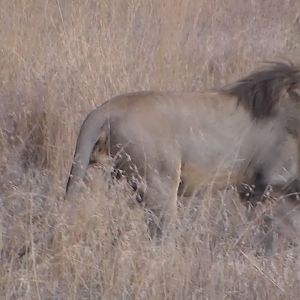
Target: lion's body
<point>192,139</point>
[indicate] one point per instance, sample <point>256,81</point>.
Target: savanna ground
<point>58,60</point>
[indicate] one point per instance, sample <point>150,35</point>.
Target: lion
<point>245,134</point>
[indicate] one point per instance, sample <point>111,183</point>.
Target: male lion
<point>244,133</point>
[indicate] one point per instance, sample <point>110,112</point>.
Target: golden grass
<point>58,60</point>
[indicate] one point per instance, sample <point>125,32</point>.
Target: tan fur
<point>196,139</point>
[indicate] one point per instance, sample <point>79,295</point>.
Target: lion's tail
<point>94,128</point>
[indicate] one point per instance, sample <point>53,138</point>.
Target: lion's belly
<point>219,160</point>
<point>195,176</point>
<point>214,160</point>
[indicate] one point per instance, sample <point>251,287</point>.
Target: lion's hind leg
<point>161,201</point>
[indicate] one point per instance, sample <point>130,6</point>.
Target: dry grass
<point>58,60</point>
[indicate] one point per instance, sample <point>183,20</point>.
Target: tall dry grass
<point>58,60</point>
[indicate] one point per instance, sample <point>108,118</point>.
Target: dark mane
<point>260,91</point>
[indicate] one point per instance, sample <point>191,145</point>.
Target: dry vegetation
<point>58,60</point>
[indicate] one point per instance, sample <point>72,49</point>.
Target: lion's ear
<point>294,93</point>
